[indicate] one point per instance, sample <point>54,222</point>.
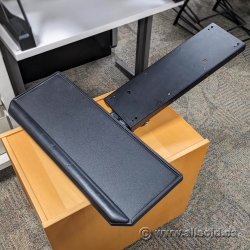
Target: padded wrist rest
<point>118,173</point>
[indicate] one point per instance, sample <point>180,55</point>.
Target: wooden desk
<point>68,218</point>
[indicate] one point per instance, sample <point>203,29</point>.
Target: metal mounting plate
<point>172,76</point>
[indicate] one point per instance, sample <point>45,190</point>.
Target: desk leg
<point>13,70</point>
<point>142,48</point>
<point>143,44</point>
<point>125,69</point>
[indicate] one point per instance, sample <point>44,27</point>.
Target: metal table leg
<point>13,70</point>
<point>142,48</point>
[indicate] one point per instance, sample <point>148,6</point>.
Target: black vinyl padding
<point>117,172</point>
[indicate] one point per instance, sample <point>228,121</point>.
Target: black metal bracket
<point>19,29</point>
<point>222,7</point>
<point>169,78</point>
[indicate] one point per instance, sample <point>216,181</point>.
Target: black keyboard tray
<point>117,172</point>
<point>176,73</point>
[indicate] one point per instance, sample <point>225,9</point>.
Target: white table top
<point>59,22</point>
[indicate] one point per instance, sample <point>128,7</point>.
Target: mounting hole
<point>128,91</point>
<point>132,120</point>
<point>212,27</point>
<point>208,29</point>
<point>136,117</point>
<point>205,60</point>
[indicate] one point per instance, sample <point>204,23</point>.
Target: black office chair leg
<point>216,4</point>
<point>180,12</point>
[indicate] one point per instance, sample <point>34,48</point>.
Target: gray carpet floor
<point>218,108</point>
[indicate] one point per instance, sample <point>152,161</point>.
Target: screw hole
<point>128,91</point>
<point>212,27</point>
<point>208,29</point>
<point>132,120</point>
<point>136,117</point>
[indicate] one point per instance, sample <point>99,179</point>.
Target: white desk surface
<point>59,22</point>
